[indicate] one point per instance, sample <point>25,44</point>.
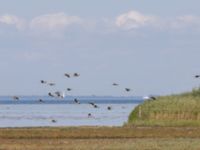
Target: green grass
<point>174,110</point>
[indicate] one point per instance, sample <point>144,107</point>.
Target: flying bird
<point>115,84</point>
<point>58,94</point>
<point>153,97</point>
<point>50,94</point>
<point>76,74</point>
<point>91,103</point>
<point>109,107</point>
<point>15,97</point>
<point>40,100</point>
<point>127,89</point>
<point>149,98</point>
<point>89,115</point>
<point>51,84</point>
<point>95,106</point>
<point>67,75</point>
<point>69,89</point>
<point>197,76</point>
<point>43,82</point>
<point>53,120</point>
<point>76,101</point>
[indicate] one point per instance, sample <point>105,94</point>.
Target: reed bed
<point>173,110</point>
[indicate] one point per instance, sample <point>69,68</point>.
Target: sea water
<point>29,112</point>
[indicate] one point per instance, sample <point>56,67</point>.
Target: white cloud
<point>52,22</point>
<point>12,20</point>
<point>185,21</point>
<point>134,19</point>
<point>189,19</point>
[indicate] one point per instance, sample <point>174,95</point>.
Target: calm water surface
<point>29,112</point>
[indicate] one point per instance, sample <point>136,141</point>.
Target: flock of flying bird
<point>61,95</point>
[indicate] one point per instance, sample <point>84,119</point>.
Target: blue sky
<point>151,47</point>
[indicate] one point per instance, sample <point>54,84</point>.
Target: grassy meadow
<point>174,110</point>
<point>94,138</point>
<point>100,144</point>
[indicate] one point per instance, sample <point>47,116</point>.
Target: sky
<point>151,47</point>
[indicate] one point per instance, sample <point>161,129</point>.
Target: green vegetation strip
<point>175,110</point>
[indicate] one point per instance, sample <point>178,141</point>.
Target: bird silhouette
<point>152,97</point>
<point>50,94</point>
<point>76,101</point>
<point>58,94</point>
<point>115,84</point>
<point>15,97</point>
<point>127,89</point>
<point>149,98</point>
<point>51,84</point>
<point>76,75</point>
<point>92,103</point>
<point>89,115</point>
<point>95,106</point>
<point>67,75</point>
<point>40,100</point>
<point>69,89</point>
<point>109,107</point>
<point>197,76</point>
<point>43,82</point>
<point>53,120</point>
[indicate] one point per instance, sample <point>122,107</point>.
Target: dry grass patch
<point>100,144</point>
<point>93,138</point>
<point>99,132</point>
